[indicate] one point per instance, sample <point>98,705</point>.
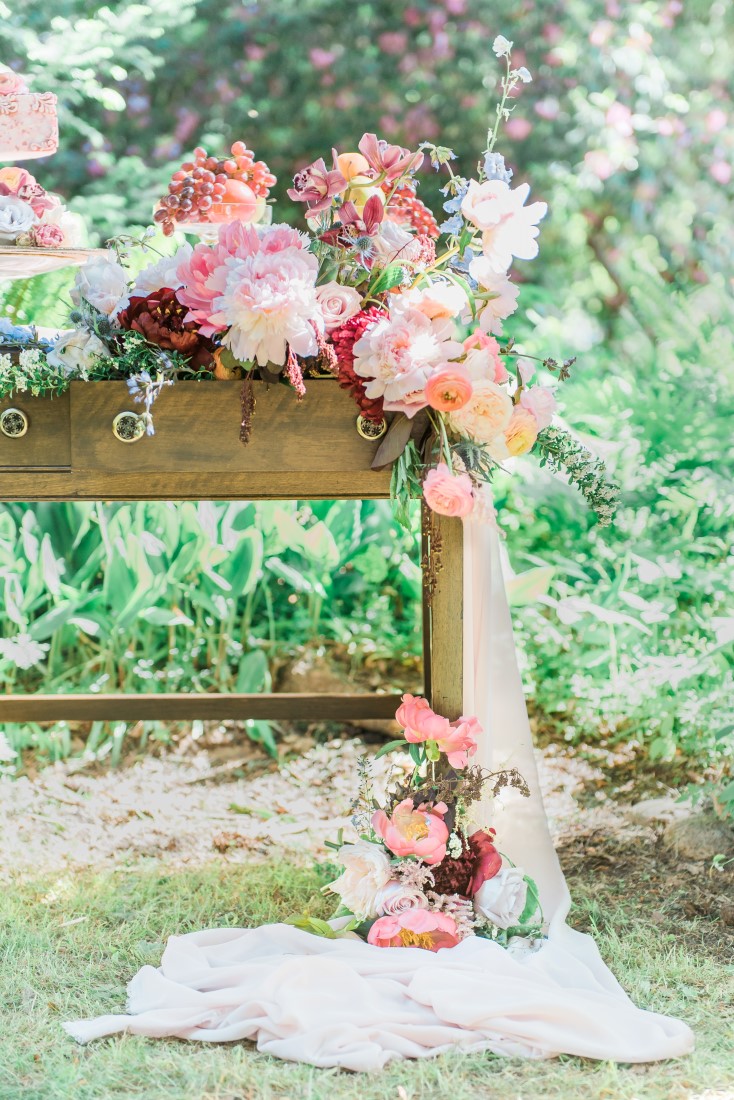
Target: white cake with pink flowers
<point>28,124</point>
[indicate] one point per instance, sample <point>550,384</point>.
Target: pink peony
<point>447,493</point>
<point>398,354</point>
<point>418,832</point>
<point>338,304</point>
<point>47,236</point>
<point>414,928</point>
<point>391,160</point>
<point>268,301</point>
<point>483,358</point>
<point>201,274</point>
<point>449,389</point>
<point>316,186</point>
<point>508,227</point>
<point>539,400</point>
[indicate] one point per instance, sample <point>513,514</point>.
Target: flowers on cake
<point>31,216</point>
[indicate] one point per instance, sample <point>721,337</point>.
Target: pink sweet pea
<point>414,832</point>
<point>415,928</point>
<point>446,493</point>
<point>392,160</point>
<point>316,185</point>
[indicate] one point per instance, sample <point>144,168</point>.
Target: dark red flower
<point>344,339</point>
<point>159,317</point>
<point>478,862</point>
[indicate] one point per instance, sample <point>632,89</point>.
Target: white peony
<point>103,283</point>
<point>395,897</point>
<point>75,351</point>
<point>338,303</point>
<point>162,273</point>
<point>366,871</point>
<point>501,900</point>
<point>16,218</point>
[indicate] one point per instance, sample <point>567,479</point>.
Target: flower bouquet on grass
<point>408,314</point>
<point>420,874</point>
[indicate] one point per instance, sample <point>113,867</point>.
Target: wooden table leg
<point>443,569</point>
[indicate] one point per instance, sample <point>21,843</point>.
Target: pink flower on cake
<point>391,160</point>
<point>20,182</point>
<point>447,493</point>
<point>338,304</point>
<point>521,432</point>
<point>485,416</point>
<point>483,358</point>
<point>316,185</point>
<point>449,388</point>
<point>539,400</point>
<point>415,928</point>
<point>398,354</point>
<point>508,227</point>
<point>11,83</point>
<point>414,832</point>
<point>46,235</point>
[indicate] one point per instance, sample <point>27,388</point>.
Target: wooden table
<point>309,450</point>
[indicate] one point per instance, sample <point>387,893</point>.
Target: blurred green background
<point>626,131</point>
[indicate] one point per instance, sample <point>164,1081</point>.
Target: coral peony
<point>414,928</point>
<point>414,832</point>
<point>448,389</point>
<point>460,742</point>
<point>160,318</point>
<point>419,721</point>
<point>447,493</point>
<point>509,228</point>
<point>521,432</point>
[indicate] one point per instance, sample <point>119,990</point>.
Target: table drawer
<point>35,433</point>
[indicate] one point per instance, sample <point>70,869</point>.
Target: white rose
<point>539,400</point>
<point>70,224</point>
<point>16,218</point>
<point>163,273</point>
<point>501,899</point>
<point>74,351</point>
<point>396,897</point>
<point>338,303</point>
<point>393,243</point>
<point>366,871</point>
<point>103,283</point>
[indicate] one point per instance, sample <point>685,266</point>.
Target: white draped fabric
<point>345,1003</point>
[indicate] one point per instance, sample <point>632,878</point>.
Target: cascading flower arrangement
<point>420,874</point>
<point>406,313</point>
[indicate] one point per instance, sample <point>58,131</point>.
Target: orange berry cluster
<point>407,208</point>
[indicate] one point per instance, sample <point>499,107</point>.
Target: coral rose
<point>446,493</point>
<point>521,432</point>
<point>448,389</point>
<point>414,832</point>
<point>414,928</point>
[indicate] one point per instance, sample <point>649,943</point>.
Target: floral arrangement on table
<point>419,874</point>
<point>31,217</point>
<point>406,313</point>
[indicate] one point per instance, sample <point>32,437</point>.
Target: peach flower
<point>414,832</point>
<point>460,741</point>
<point>446,493</point>
<point>414,928</point>
<point>448,389</point>
<point>521,432</point>
<point>486,415</point>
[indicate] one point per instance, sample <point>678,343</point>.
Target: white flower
<point>539,400</point>
<point>501,46</point>
<point>394,243</point>
<point>22,650</point>
<point>524,74</point>
<point>338,303</point>
<point>366,871</point>
<point>103,283</point>
<point>162,273</point>
<point>395,897</point>
<point>503,302</point>
<point>70,224</point>
<point>508,227</point>
<point>75,351</point>
<point>501,900</point>
<point>16,218</point>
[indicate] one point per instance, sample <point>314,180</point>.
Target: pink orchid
<point>392,160</point>
<point>316,185</point>
<point>414,928</point>
<point>414,832</point>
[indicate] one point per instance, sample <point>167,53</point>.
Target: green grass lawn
<point>70,943</point>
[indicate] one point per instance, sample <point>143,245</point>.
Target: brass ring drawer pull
<point>371,429</point>
<point>128,427</point>
<point>13,423</point>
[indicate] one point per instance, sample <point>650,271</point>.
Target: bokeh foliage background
<point>627,132</point>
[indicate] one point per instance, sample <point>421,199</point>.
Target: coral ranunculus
<point>160,318</point>
<point>414,832</point>
<point>414,928</point>
<point>448,389</point>
<point>446,493</point>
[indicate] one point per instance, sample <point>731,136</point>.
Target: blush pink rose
<point>338,304</point>
<point>448,389</point>
<point>414,928</point>
<point>446,493</point>
<point>483,358</point>
<point>418,832</point>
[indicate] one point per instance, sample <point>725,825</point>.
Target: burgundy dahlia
<point>159,317</point>
<point>344,339</point>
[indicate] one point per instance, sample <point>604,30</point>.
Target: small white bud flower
<point>502,46</point>
<point>524,75</point>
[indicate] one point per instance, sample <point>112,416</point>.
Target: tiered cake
<point>28,124</point>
